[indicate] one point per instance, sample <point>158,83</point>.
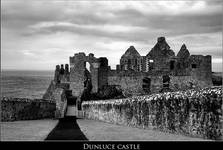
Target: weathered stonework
<point>196,113</point>
<point>188,111</point>
<point>184,70</point>
<point>56,92</point>
<point>13,109</point>
<point>159,71</point>
<point>98,71</point>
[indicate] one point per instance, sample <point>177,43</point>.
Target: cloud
<point>67,26</point>
<point>51,31</point>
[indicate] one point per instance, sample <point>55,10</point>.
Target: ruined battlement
<point>160,69</point>
<point>62,75</point>
<point>98,68</point>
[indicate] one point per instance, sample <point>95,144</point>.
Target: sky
<point>38,35</point>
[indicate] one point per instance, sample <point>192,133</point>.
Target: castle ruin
<point>159,71</point>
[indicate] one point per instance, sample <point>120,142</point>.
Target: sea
<point>25,84</point>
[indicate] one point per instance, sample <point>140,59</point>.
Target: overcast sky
<point>40,34</point>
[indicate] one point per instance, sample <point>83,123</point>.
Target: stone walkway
<point>81,129</point>
<point>100,131</point>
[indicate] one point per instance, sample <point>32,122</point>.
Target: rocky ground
<point>81,129</point>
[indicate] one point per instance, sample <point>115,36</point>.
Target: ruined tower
<point>98,71</point>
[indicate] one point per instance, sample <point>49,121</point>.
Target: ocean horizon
<point>25,83</point>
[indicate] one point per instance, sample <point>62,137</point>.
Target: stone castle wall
<point>132,82</point>
<point>196,113</point>
<point>103,72</point>
<point>56,93</point>
<point>98,72</point>
<point>77,69</point>
<point>184,70</point>
<point>135,72</point>
<point>13,109</point>
<point>130,85</point>
<point>203,70</point>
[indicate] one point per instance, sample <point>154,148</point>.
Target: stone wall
<point>52,105</point>
<point>59,98</point>
<point>56,93</point>
<point>203,69</point>
<point>130,85</point>
<point>193,113</point>
<point>185,82</point>
<point>50,92</point>
<point>13,109</point>
<point>132,82</point>
<point>103,72</point>
<point>217,78</point>
<point>98,68</point>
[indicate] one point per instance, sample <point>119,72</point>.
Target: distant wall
<point>13,109</point>
<point>132,83</point>
<point>193,113</point>
<point>185,82</point>
<point>203,69</point>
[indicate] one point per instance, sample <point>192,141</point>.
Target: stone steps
<point>71,110</point>
<point>71,104</point>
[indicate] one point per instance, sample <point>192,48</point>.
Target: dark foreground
<point>66,129</point>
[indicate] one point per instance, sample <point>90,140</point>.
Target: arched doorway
<point>88,66</point>
<point>87,78</point>
<point>86,94</point>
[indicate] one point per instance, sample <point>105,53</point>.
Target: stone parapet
<point>13,109</point>
<point>196,113</point>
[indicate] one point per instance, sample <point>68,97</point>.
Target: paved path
<point>66,129</point>
<point>29,130</point>
<point>95,130</point>
<point>71,128</point>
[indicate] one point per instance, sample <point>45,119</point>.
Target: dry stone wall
<point>194,113</point>
<point>13,109</point>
